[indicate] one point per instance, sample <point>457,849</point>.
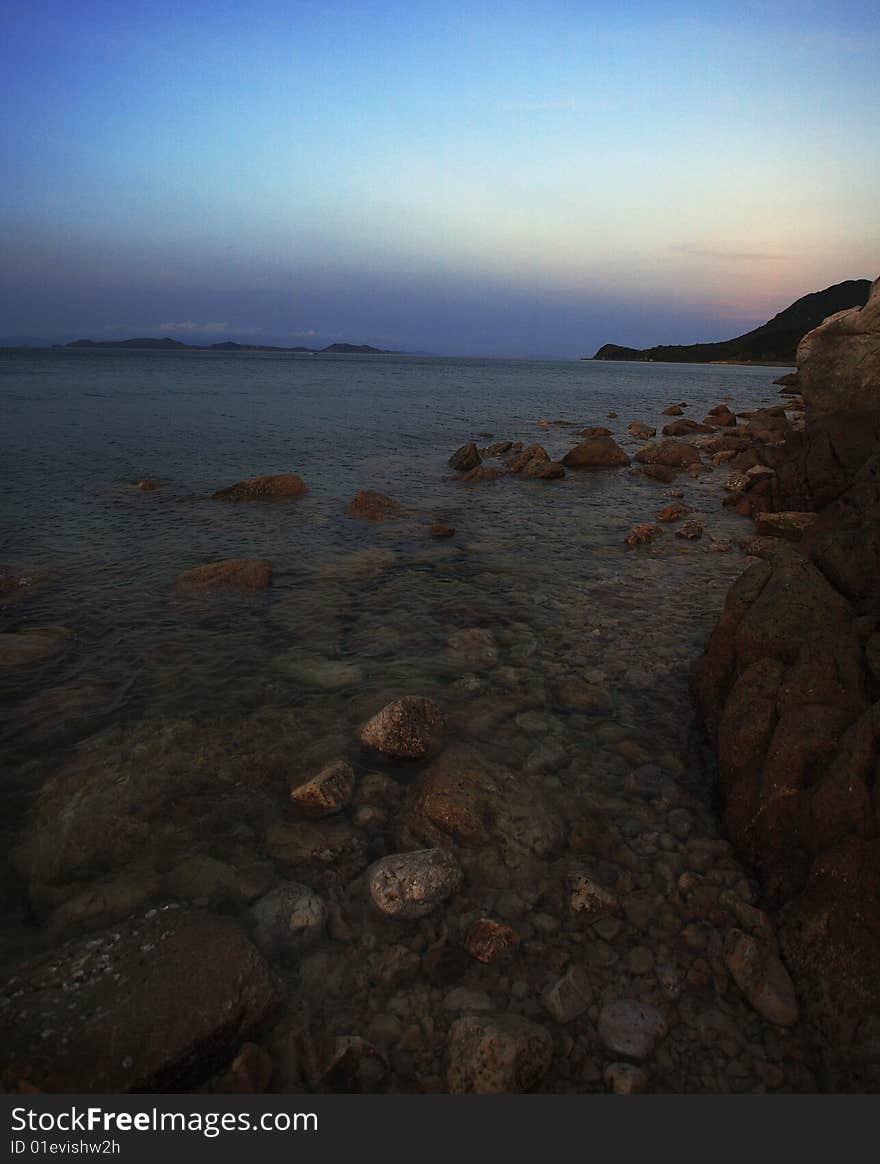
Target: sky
<point>502,179</point>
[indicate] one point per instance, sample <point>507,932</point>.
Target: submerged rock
<point>442,531</point>
<point>288,919</point>
<point>406,729</point>
<point>234,573</point>
<point>327,792</point>
<point>481,473</point>
<point>285,486</point>
<point>22,648</point>
<point>368,505</point>
<point>631,1028</point>
<point>759,973</point>
<point>568,997</point>
<point>412,885</point>
<point>691,530</point>
<point>496,1055</point>
<point>674,511</point>
<point>673,410</point>
<point>158,1003</point>
<point>643,533</point>
<point>489,940</point>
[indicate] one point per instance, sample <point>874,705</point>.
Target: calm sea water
<point>358,613</point>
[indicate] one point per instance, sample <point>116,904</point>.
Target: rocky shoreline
<point>404,910</point>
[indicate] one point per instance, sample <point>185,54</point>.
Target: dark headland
<point>149,343</point>
<point>774,342</point>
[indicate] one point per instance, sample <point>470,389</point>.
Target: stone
<point>413,885</point>
<point>442,531</point>
<point>671,454</point>
<point>597,430</point>
<point>685,428</point>
<point>631,1028</point>
<point>691,530</point>
<point>602,452</point>
<point>159,1002</point>
<point>532,455</point>
<point>544,471</point>
<point>356,1067</point>
<point>489,940</point>
<point>569,996</point>
<point>761,976</point>
<point>465,458</point>
<point>27,647</point>
<point>406,729</point>
<point>675,511</point>
<point>589,897</point>
<point>494,1055</point>
<point>790,525</point>
<point>643,533</point>
<point>232,573</point>
<point>283,486</point>
<point>481,473</point>
<point>368,505</point>
<point>673,410</point>
<point>288,919</point>
<point>641,431</point>
<point>327,792</point>
<point>498,449</point>
<point>472,647</point>
<point>147,484</point>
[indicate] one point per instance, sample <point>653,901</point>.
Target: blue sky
<point>495,178</point>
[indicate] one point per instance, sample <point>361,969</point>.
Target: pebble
<point>631,1028</point>
<point>412,885</point>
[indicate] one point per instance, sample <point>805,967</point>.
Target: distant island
<point>149,343</point>
<point>775,342</point>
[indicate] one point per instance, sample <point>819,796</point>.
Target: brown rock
<point>284,486</point>
<point>368,505</point>
<point>237,573</point>
<point>406,729</point>
<point>673,410</point>
<point>675,511</point>
<point>641,431</point>
<point>691,530</point>
<point>489,940</point>
<point>673,454</point>
<point>327,792</point>
<point>412,885</point>
<point>481,473</point>
<point>442,531</point>
<point>498,449</point>
<point>148,484</point>
<point>533,454</point>
<point>685,428</point>
<point>596,453</point>
<point>596,430</point>
<point>496,1054</point>
<point>547,471</point>
<point>761,976</point>
<point>465,458</point>
<point>639,535</point>
<point>791,526</point>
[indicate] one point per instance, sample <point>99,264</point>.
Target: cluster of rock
<point>789,686</point>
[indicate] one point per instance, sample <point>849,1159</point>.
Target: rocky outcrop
<point>789,690</point>
<point>599,452</point>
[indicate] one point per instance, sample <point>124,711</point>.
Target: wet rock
<point>759,973</point>
<point>327,792</point>
<point>691,530</point>
<point>626,1078</point>
<point>147,484</point>
<point>442,531</point>
<point>631,1028</point>
<point>596,430</point>
<point>288,919</point>
<point>412,885</point>
<point>576,694</point>
<point>60,710</point>
<point>532,455</point>
<point>673,410</point>
<point>406,729</point>
<point>544,471</point>
<point>641,431</point>
<point>206,880</point>
<point>489,940</point>
<point>671,454</point>
<point>602,452</point>
<point>318,842</point>
<point>158,1003</point>
<point>286,486</point>
<point>102,903</point>
<point>662,473</point>
<point>232,573</point>
<point>675,511</point>
<point>25,648</point>
<point>462,998</point>
<point>568,997</point>
<point>679,428</point>
<point>320,672</point>
<point>791,525</point>
<point>643,533</point>
<point>498,449</point>
<point>492,1055</point>
<point>368,505</point>
<point>588,897</point>
<point>465,458</point>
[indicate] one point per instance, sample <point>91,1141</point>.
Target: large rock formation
<point>789,689</point>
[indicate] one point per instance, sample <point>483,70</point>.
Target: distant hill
<point>774,342</point>
<point>151,343</point>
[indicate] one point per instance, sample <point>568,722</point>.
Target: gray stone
<point>627,1027</point>
<point>288,919</point>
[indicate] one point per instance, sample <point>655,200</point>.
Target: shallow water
<point>581,682</point>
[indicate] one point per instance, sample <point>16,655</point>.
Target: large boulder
<point>839,361</point>
<point>282,486</point>
<point>157,1003</point>
<point>600,452</point>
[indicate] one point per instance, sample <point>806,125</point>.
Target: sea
<point>588,642</point>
